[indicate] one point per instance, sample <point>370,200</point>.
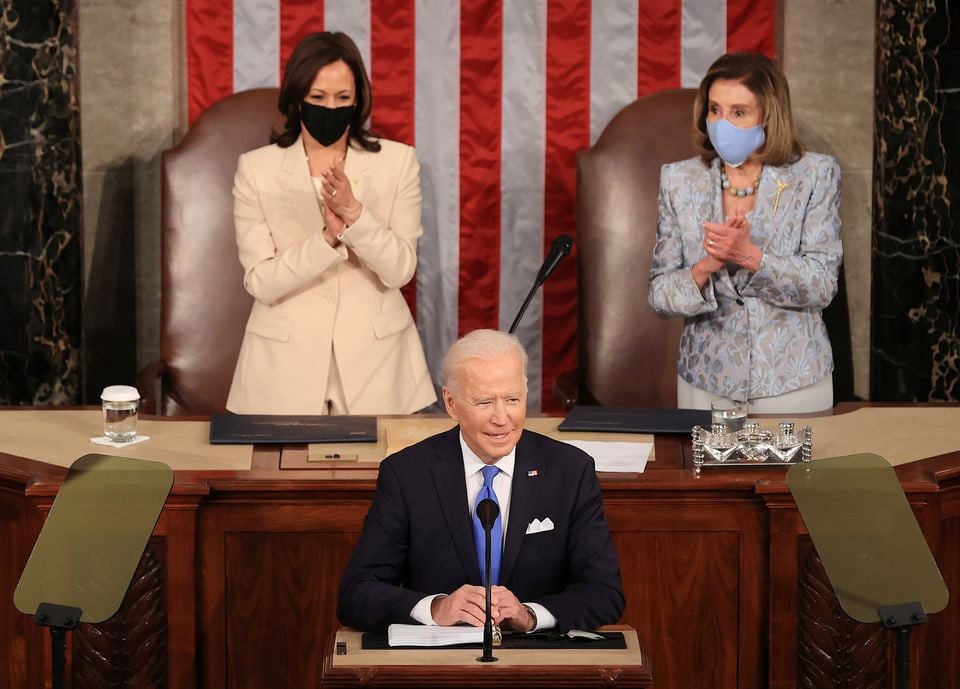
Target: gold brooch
<point>781,185</point>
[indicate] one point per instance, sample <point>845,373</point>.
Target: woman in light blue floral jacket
<point>748,248</point>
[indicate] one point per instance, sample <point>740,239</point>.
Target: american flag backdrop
<point>497,96</point>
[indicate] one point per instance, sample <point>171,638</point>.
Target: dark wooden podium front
<point>239,582</point>
<point>458,668</point>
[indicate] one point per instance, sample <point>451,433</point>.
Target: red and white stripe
<point>497,96</point>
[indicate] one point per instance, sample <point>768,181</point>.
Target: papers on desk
<point>616,456</point>
<point>423,635</point>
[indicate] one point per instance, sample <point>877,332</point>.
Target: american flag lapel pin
<point>532,472</point>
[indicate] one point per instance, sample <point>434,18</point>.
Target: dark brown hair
<point>766,81</point>
<point>312,53</point>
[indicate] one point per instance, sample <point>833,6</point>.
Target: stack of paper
<point>609,456</point>
<point>423,635</point>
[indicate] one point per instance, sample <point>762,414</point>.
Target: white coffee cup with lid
<point>120,404</point>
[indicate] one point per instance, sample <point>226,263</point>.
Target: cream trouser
<point>813,398</point>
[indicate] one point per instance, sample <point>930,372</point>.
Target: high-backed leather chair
<point>204,306</point>
<point>627,353</point>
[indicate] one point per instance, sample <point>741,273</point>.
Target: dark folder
<point>634,420</point>
<point>378,642</point>
<point>253,429</point>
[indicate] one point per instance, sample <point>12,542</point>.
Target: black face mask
<point>326,125</point>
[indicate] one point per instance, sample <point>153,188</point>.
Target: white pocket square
<point>539,526</point>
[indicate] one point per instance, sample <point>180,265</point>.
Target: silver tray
<point>751,446</point>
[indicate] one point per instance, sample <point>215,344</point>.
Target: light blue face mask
<point>735,144</point>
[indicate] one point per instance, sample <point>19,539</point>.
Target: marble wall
<point>132,100</point>
<point>40,204</point>
<point>916,260</point>
<point>133,108</point>
<point>828,49</point>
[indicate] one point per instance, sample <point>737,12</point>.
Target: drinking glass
<point>120,405</point>
<point>732,414</point>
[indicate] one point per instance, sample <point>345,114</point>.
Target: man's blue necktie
<point>496,533</point>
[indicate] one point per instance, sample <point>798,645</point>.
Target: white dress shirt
<point>502,484</point>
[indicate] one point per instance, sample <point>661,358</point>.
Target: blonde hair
<point>483,345</point>
<point>766,81</point>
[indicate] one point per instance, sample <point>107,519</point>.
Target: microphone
<point>559,250</point>
<point>487,513</point>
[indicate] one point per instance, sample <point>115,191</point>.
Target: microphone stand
<point>558,251</point>
<point>523,309</point>
<point>487,511</point>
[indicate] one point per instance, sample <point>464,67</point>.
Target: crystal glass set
<point>751,445</point>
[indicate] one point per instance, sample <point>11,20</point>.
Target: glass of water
<point>732,414</point>
<point>120,404</point>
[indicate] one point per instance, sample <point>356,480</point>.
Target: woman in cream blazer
<point>329,331</point>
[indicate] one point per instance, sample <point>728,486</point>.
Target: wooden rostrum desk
<point>453,668</point>
<point>238,585</point>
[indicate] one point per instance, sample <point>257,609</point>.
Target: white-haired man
<point>419,557</point>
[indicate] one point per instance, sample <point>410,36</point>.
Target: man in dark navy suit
<point>420,553</point>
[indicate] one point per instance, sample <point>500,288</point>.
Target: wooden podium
<point>238,586</point>
<point>346,664</point>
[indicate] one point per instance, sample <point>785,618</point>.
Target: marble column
<point>915,343</point>
<point>40,204</point>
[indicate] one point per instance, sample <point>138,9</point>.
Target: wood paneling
<point>938,647</point>
<point>721,580</point>
<point>270,574</point>
<point>20,640</point>
<point>281,586</point>
<point>682,596</point>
